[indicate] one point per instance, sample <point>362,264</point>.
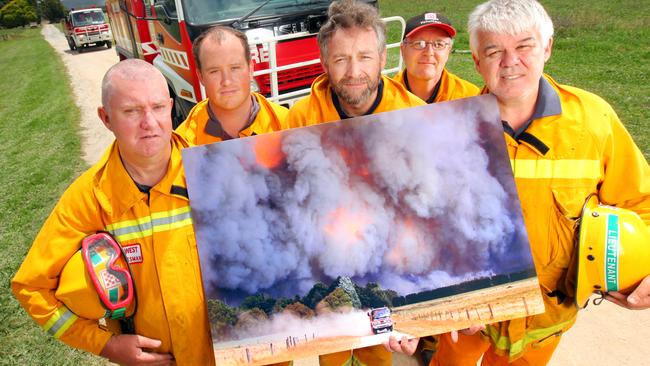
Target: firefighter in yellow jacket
<point>137,192</point>
<point>223,59</point>
<point>428,39</point>
<point>564,144</point>
<point>353,53</point>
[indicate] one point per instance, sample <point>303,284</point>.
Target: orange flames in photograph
<point>346,225</point>
<point>268,150</point>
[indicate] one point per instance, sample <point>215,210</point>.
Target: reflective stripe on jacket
<point>318,106</point>
<point>585,149</point>
<point>451,86</point>
<point>270,118</point>
<point>165,267</point>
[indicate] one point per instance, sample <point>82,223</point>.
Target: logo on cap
<point>431,16</point>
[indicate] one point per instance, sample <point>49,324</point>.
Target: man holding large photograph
<point>353,52</point>
<point>564,144</point>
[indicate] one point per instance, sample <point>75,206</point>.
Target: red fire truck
<point>282,34</point>
<point>380,320</point>
<point>86,27</point>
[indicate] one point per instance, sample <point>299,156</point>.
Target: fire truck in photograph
<point>282,34</point>
<point>86,27</point>
<point>380,320</point>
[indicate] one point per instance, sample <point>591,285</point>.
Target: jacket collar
<point>115,189</point>
<point>213,126</point>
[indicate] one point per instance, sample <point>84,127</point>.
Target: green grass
<point>601,46</point>
<point>39,156</point>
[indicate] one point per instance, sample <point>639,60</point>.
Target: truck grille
<point>290,79</point>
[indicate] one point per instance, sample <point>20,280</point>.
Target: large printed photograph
<point>335,236</point>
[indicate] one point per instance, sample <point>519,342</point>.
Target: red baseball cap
<point>424,20</point>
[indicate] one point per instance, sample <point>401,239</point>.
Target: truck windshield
<point>381,313</point>
<point>83,18</point>
<point>211,11</point>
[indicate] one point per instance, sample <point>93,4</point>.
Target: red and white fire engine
<point>86,27</point>
<point>282,34</point>
<point>380,320</point>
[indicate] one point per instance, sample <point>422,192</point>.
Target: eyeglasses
<point>437,45</point>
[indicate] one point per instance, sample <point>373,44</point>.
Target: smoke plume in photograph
<point>414,200</point>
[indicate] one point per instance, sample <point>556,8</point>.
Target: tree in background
<point>299,310</point>
<point>222,318</point>
<point>315,295</point>
<point>283,302</point>
<point>52,10</point>
<point>336,299</point>
<point>250,320</point>
<point>259,301</point>
<point>346,284</point>
<point>17,13</point>
<point>372,296</point>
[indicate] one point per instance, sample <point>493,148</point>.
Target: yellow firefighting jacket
<point>451,86</point>
<point>318,107</point>
<point>557,162</point>
<point>163,258</point>
<point>270,117</point>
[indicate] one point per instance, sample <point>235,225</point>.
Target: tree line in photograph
<point>340,296</point>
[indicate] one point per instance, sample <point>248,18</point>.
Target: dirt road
<point>86,71</point>
<point>603,335</point>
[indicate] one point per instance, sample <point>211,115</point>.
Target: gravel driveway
<point>86,71</point>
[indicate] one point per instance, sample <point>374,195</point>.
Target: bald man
<point>136,192</point>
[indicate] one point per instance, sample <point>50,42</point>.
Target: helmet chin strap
<point>597,301</point>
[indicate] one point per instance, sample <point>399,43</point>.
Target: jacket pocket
<point>562,226</point>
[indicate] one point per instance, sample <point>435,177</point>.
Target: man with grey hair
<point>136,192</point>
<point>353,52</point>
<point>565,144</point>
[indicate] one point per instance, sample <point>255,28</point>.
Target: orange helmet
<point>613,251</point>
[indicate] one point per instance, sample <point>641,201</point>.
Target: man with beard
<point>353,52</point>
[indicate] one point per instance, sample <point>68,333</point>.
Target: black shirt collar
<point>434,94</point>
<point>547,104</point>
<point>213,126</point>
<point>375,104</point>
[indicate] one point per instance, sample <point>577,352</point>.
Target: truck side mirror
<point>163,14</point>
